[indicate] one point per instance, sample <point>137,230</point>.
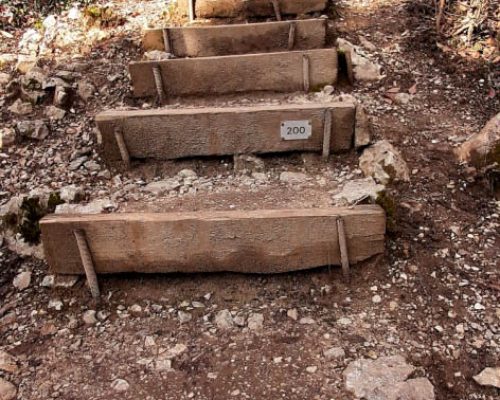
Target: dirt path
<point>433,297</point>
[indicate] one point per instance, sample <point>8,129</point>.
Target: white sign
<point>296,130</point>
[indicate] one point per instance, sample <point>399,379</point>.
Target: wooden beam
<point>278,72</point>
<point>176,133</point>
<point>222,40</point>
<point>250,8</point>
<point>260,241</point>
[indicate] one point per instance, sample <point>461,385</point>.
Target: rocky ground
<point>420,321</point>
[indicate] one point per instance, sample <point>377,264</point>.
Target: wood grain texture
<point>176,133</point>
<point>221,40</point>
<point>261,241</point>
<point>250,8</point>
<point>278,72</point>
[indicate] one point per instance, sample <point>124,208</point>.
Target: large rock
<point>384,163</point>
<point>363,69</point>
<point>7,390</point>
<point>482,148</point>
<point>489,377</point>
<point>386,379</point>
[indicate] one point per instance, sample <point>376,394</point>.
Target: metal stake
<point>305,72</point>
<point>120,141</point>
<point>327,133</point>
<point>191,10</point>
<point>88,265</point>
<point>166,41</point>
<point>277,11</point>
<point>159,85</point>
<point>291,36</point>
<point>344,256</point>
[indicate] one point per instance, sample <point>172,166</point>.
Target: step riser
<point>263,241</point>
<point>224,40</point>
<point>250,8</point>
<point>277,72</point>
<point>169,134</point>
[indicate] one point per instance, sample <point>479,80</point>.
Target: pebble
<point>184,317</point>
<point>376,299</point>
<point>120,385</point>
<point>224,319</point>
<point>307,321</point>
<point>22,280</point>
<point>293,314</point>
<point>334,353</point>
<point>89,317</point>
<point>312,369</point>
<point>255,321</point>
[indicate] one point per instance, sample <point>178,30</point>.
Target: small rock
<point>247,163</point>
<point>344,321</point>
<point>293,177</point>
<point>94,207</point>
<point>334,353</point>
<point>61,96</point>
<point>72,194</point>
<point>357,190</point>
<point>363,69</point>
<point>7,362</point>
<point>224,319</point>
<point>25,63</point>
<point>120,385</point>
<point>21,108</point>
<point>312,369</point>
<point>7,390</point>
<point>22,280</point>
<point>376,299</point>
<point>187,173</point>
<point>157,55</point>
<point>162,187</point>
<point>293,314</point>
<point>384,163</point>
<point>184,316</point>
<point>307,321</point>
<point>135,310</point>
<point>37,129</point>
<point>367,44</point>
<point>328,89</point>
<point>255,321</point>
<point>56,304</point>
<point>48,281</point>
<point>85,90</point>
<point>66,281</point>
<point>89,317</point>
<point>402,98</point>
<point>8,137</point>
<point>149,341</point>
<point>489,377</point>
<point>54,113</point>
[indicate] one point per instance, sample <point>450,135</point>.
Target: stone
<point>22,280</point>
<point>376,299</point>
<point>344,321</point>
<point>187,173</point>
<point>162,187</point>
<point>89,317</point>
<point>311,369</point>
<point>363,69</point>
<point>328,90</point>
<point>386,379</point>
<point>20,108</point>
<point>307,321</point>
<point>61,96</point>
<point>402,98</point>
<point>362,129</point>
<point>293,314</point>
<point>383,162</point>
<point>482,148</point>
<point>367,44</point>
<point>255,321</point>
<point>184,317</point>
<point>95,207</point>
<point>157,55</point>
<point>8,363</point>
<point>34,79</point>
<point>66,281</point>
<point>25,63</point>
<point>334,353</point>
<point>55,304</point>
<point>7,390</point>
<point>48,281</point>
<point>224,319</point>
<point>72,194</point>
<point>8,137</point>
<point>357,190</point>
<point>85,90</point>
<point>489,377</point>
<point>54,113</point>
<point>4,79</point>
<point>135,310</point>
<point>77,163</point>
<point>293,177</point>
<point>37,129</point>
<point>120,385</point>
<point>247,163</point>
<point>175,351</point>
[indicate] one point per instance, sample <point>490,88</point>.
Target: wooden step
<point>261,241</point>
<point>279,72</point>
<point>222,40</point>
<point>176,133</point>
<point>250,8</point>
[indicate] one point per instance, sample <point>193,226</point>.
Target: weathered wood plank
<point>176,133</point>
<point>261,241</point>
<point>221,40</point>
<point>250,8</point>
<point>278,72</point>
